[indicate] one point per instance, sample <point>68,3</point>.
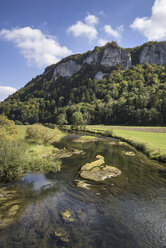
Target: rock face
<point>99,75</point>
<point>91,59</point>
<point>153,54</point>
<point>66,69</point>
<point>109,55</point>
<point>98,170</point>
<point>114,56</point>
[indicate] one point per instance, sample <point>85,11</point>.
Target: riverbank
<point>21,155</point>
<point>149,140</point>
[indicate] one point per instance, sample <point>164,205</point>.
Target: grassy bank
<point>21,155</point>
<point>150,141</point>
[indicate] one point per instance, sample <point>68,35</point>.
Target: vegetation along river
<point>65,210</point>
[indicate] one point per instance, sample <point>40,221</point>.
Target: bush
<point>43,134</point>
<point>18,122</point>
<point>12,159</point>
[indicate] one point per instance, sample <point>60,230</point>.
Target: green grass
<point>87,137</point>
<point>155,141</point>
<point>20,156</point>
<point>21,129</point>
<point>151,143</point>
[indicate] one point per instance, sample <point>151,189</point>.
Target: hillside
<point>109,85</point>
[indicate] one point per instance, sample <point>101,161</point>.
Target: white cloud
<point>39,49</point>
<point>86,29</point>
<point>91,20</point>
<point>153,28</point>
<point>102,42</point>
<point>116,33</point>
<point>5,91</point>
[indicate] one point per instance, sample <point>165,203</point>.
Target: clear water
<point>127,211</point>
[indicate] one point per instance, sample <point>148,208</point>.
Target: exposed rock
<point>66,69</point>
<point>98,170</point>
<point>100,75</point>
<point>91,59</point>
<point>153,54</point>
<point>114,56</point>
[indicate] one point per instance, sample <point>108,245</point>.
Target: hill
<point>109,85</point>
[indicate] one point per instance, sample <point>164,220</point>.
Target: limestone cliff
<point>114,56</point>
<point>66,69</point>
<point>110,55</point>
<point>153,54</point>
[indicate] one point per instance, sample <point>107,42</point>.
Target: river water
<point>126,211</point>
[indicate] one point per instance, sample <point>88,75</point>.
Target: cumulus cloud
<point>102,42</point>
<point>116,33</point>
<point>39,49</point>
<point>153,28</point>
<point>5,91</point>
<point>91,20</point>
<point>86,29</point>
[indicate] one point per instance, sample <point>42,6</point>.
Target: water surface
<point>127,211</point>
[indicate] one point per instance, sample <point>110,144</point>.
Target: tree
<point>8,129</point>
<point>77,119</point>
<point>62,119</point>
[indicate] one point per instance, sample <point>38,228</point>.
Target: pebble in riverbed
<point>66,216</point>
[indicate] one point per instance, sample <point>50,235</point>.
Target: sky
<point>38,33</point>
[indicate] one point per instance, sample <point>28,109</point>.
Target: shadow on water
<point>52,211</point>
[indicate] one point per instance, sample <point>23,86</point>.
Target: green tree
<point>62,119</point>
<point>77,119</point>
<point>8,128</point>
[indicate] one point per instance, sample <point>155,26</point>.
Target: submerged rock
<point>66,216</point>
<point>9,206</point>
<point>65,153</point>
<point>129,153</point>
<point>62,235</point>
<point>98,170</point>
<point>85,139</point>
<point>82,184</point>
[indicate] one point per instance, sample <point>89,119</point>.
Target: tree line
<point>136,96</point>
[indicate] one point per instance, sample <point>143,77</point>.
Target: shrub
<point>18,122</point>
<point>43,134</point>
<point>12,159</point>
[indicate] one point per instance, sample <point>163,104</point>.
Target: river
<point>127,211</point>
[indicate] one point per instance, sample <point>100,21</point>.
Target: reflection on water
<point>38,181</point>
<point>127,211</point>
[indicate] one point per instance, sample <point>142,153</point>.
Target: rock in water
<point>98,170</point>
<point>67,216</point>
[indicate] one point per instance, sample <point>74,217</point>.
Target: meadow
<point>152,139</point>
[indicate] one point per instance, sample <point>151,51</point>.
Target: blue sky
<point>37,33</point>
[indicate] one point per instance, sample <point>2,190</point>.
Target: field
<point>153,137</point>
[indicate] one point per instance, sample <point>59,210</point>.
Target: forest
<point>136,96</point>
